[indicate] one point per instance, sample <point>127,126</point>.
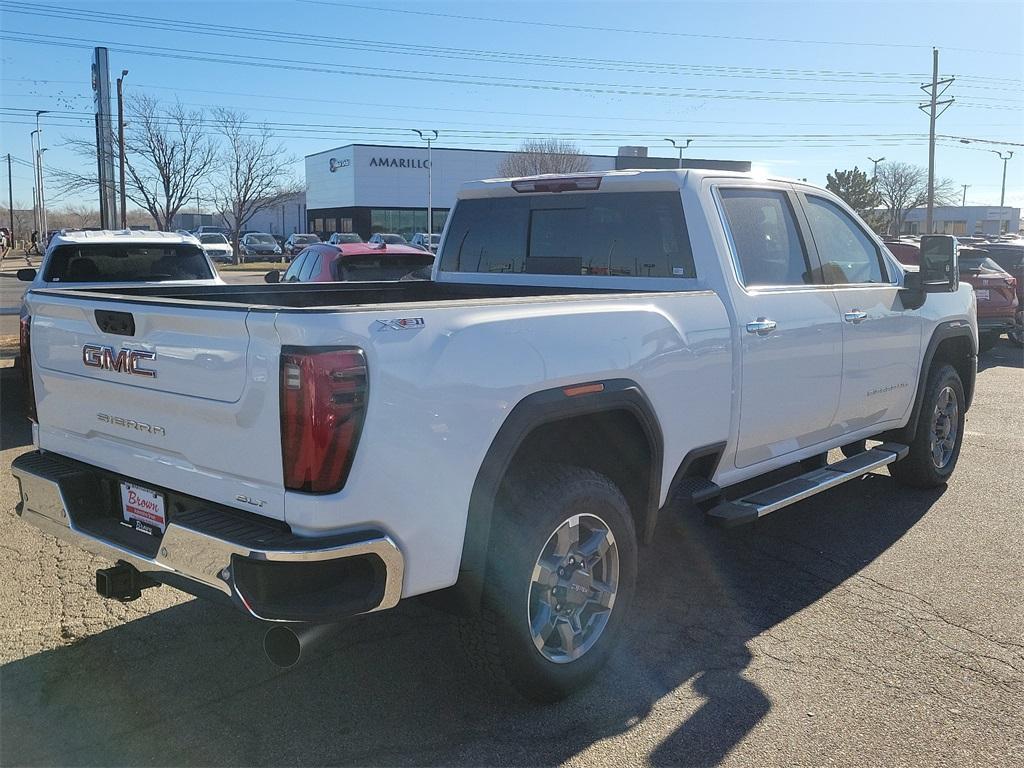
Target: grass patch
<point>253,266</point>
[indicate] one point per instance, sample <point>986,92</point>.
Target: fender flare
<point>950,329</point>
<point>533,411</point>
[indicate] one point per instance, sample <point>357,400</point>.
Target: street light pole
<point>874,168</point>
<point>424,135</point>
<point>35,181</point>
<point>964,203</point>
<point>1002,195</point>
<point>42,196</point>
<point>39,172</point>
<point>120,143</point>
<point>680,148</point>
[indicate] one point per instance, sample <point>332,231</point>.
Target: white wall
<point>396,177</point>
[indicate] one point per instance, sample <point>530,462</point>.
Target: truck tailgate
<point>196,411</point>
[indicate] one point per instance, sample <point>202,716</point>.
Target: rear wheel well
<point>613,443</point>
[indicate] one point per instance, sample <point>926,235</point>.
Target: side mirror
<point>26,275</point>
<point>940,268</point>
<point>273,276</point>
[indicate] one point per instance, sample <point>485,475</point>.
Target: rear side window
<point>634,234</point>
<point>847,254</point>
<point>296,266</point>
<point>311,267</point>
<point>126,263</point>
<point>768,247</point>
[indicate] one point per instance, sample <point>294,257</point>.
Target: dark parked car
<point>389,239</point>
<point>326,263</point>
<point>259,246</point>
<point>340,238</point>
<point>295,243</point>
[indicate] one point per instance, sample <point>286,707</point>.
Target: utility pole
<point>933,113</point>
<point>120,142</point>
<point>964,203</point>
<point>680,148</point>
<point>10,202</point>
<point>430,183</point>
<point>1002,195</point>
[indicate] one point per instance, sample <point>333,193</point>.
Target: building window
<point>330,226</point>
<point>318,225</point>
<point>909,227</point>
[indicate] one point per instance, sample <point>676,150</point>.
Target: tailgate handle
<point>120,323</point>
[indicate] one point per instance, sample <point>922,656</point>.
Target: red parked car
<point>326,263</point>
<point>997,291</point>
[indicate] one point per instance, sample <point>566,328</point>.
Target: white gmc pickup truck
<point>504,435</point>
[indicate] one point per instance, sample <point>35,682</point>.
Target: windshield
<point>262,239</point>
<point>393,239</point>
<point>304,239</point>
<point>435,239</point>
<point>213,238</point>
<point>126,263</point>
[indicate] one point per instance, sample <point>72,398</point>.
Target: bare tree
<point>536,156</point>
<point>903,187</point>
<point>168,152</point>
<point>254,172</point>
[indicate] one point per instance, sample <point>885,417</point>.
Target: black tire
<point>986,341</point>
<point>919,469</point>
<point>1016,336</point>
<point>499,641</point>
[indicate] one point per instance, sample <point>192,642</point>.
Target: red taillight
<point>323,402</point>
<point>25,350</point>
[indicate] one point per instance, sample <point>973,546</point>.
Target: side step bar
<point>768,500</point>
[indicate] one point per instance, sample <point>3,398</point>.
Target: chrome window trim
<point>737,270</point>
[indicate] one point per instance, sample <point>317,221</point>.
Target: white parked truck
<point>505,435</point>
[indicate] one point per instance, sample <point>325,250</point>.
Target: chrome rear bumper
<point>48,482</point>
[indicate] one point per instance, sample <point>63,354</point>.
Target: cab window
<point>847,254</point>
<point>765,238</point>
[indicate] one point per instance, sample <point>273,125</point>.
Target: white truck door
<point>790,334</point>
<point>881,342</point>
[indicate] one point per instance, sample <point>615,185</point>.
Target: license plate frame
<point>143,509</point>
<point>983,294</point>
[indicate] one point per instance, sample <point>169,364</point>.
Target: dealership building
<point>367,188</point>
<point>964,220</point>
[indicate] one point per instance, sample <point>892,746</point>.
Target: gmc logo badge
<point>124,361</point>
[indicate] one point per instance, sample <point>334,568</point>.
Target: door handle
<point>855,316</point>
<point>762,326</point>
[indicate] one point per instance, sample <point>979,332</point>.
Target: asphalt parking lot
<point>868,626</point>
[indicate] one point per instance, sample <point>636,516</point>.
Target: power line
<point>435,51</point>
<point>477,80</point>
<point>621,30</point>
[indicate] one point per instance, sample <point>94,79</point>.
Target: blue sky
<point>798,88</point>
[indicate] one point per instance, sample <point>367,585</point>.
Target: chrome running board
<point>768,500</point>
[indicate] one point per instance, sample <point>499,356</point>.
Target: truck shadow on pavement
<point>1003,354</point>
<point>188,685</point>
